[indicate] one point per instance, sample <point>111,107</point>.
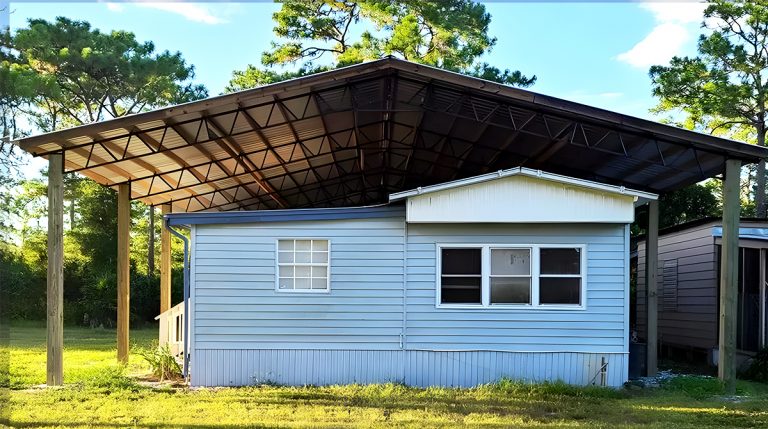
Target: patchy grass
<point>101,394</point>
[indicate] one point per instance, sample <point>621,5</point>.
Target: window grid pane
<point>303,265</point>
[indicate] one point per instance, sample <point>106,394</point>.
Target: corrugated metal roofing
<point>352,136</point>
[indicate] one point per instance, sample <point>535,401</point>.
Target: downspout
<point>403,339</point>
<point>186,297</point>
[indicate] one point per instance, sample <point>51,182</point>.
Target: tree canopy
<point>60,74</point>
<point>723,89</point>
<point>95,75</point>
<point>323,34</point>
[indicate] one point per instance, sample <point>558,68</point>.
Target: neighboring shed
<point>464,284</point>
<point>688,281</point>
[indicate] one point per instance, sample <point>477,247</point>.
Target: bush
<point>758,369</point>
<point>162,362</point>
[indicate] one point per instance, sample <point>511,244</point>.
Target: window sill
<point>524,307</point>
<point>303,291</point>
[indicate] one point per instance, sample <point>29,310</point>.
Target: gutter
<point>185,369</point>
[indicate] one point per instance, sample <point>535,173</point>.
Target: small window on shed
<point>460,276</point>
<point>669,285</point>
<point>303,265</point>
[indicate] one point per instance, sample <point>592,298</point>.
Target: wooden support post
<point>151,246</point>
<point>123,270</point>
<point>729,276</point>
<point>651,286</point>
<point>55,292</point>
<point>165,264</point>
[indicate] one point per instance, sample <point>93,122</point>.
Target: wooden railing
<point>172,328</point>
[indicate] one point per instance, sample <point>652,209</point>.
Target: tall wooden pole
<point>165,264</point>
<point>123,270</point>
<point>651,286</point>
<point>55,290</point>
<point>151,246</point>
<point>729,275</point>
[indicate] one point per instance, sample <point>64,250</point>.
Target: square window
<point>302,265</point>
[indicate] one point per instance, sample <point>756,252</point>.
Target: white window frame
<point>485,286</point>
<point>327,264</point>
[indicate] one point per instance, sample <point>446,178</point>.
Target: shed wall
<point>694,322</point>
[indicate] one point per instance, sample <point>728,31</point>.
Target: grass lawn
<point>100,394</point>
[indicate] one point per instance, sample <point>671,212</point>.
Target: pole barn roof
<point>352,136</point>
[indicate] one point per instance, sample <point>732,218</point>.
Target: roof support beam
<point>234,150</point>
<point>180,162</point>
<point>651,285</point>
<point>55,278</point>
<point>165,262</point>
<point>123,270</point>
<point>729,276</point>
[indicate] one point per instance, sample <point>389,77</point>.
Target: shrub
<point>758,369</point>
<point>162,362</point>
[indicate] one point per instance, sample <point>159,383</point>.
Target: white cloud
<point>610,94</point>
<point>668,37</point>
<point>681,13</point>
<point>195,12</point>
<point>192,11</point>
<point>664,42</point>
<point>115,7</point>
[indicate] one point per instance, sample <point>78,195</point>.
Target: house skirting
<point>412,367</point>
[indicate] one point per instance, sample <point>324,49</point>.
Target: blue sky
<point>594,53</point>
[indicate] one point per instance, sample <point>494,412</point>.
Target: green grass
<point>101,394</point>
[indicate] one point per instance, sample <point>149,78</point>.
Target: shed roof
<point>352,136</point>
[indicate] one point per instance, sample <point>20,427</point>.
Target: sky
<point>594,53</point>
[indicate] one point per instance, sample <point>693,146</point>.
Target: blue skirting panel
<point>412,367</point>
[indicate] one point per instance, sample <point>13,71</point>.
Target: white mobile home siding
<point>244,332</point>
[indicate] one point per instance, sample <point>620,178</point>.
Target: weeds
<point>161,361</point>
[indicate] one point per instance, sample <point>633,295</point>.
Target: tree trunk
<point>760,207</point>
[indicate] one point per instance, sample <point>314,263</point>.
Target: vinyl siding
<point>599,328</point>
<point>244,332</point>
<point>694,323</point>
<point>236,305</point>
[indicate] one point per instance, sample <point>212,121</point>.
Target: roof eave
<point>528,172</point>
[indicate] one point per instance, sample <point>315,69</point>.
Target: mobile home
<point>454,284</point>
